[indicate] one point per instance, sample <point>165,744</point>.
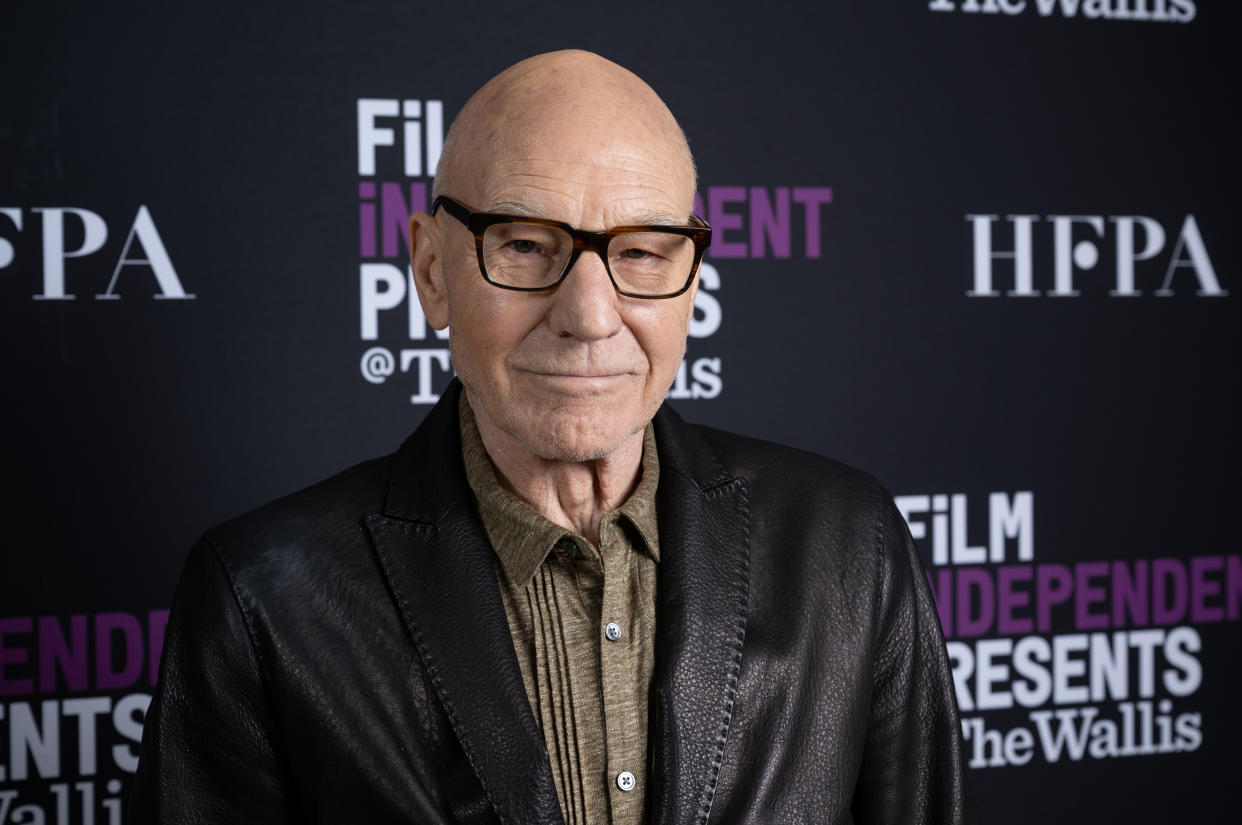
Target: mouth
<point>579,381</point>
<point>571,374</point>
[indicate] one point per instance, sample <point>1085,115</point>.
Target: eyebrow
<point>517,208</point>
<point>522,209</point>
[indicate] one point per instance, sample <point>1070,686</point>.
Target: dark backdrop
<point>867,166</point>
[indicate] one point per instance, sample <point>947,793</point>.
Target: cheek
<point>486,325</point>
<point>661,332</point>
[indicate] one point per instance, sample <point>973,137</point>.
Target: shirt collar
<point>520,535</point>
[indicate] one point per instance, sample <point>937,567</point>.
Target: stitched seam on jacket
<point>257,649</point>
<point>711,489</point>
<point>877,651</point>
<point>735,668</point>
<point>434,673</point>
<point>241,601</point>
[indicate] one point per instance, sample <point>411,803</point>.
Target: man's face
<point>570,374</point>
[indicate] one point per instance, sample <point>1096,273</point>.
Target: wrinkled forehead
<point>555,141</point>
<point>605,176</point>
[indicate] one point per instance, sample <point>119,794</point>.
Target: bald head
<point>567,104</point>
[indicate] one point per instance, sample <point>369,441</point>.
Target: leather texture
<point>342,654</point>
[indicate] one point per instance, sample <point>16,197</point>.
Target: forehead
<point>589,195</point>
<point>592,167</point>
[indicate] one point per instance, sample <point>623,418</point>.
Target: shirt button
<point>625,781</point>
<point>613,631</point>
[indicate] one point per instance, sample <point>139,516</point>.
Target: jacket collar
<point>439,568</point>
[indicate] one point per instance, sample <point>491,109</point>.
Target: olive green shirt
<point>583,626</point>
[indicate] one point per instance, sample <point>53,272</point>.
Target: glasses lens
<point>525,255</point>
<point>650,263</point>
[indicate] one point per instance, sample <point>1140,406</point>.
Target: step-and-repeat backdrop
<point>986,249</point>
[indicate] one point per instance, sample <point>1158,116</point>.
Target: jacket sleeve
<point>912,769</point>
<point>209,753</point>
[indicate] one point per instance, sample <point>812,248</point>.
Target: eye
<point>522,240</point>
<point>636,254</point>
<point>523,246</point>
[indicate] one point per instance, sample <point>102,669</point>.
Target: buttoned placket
<point>619,672</point>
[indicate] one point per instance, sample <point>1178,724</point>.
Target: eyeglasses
<point>534,254</point>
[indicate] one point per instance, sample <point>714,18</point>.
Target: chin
<point>576,438</point>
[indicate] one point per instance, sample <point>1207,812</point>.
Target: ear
<point>427,264</point>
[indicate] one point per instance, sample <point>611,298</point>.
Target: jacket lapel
<point>438,565</point>
<point>704,579</point>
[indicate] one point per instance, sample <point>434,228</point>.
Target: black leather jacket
<point>342,654</point>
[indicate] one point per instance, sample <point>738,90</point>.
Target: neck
<point>573,494</point>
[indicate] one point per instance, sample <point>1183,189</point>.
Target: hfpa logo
<point>1076,244</point>
<point>143,247</point>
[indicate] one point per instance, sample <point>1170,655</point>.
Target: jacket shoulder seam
<point>241,601</point>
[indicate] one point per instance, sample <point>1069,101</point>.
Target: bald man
<point>558,602</point>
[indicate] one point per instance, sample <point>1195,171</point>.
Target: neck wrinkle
<point>574,495</point>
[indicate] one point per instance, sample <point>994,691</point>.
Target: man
<point>558,602</point>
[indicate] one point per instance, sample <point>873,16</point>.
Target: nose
<point>586,305</point>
